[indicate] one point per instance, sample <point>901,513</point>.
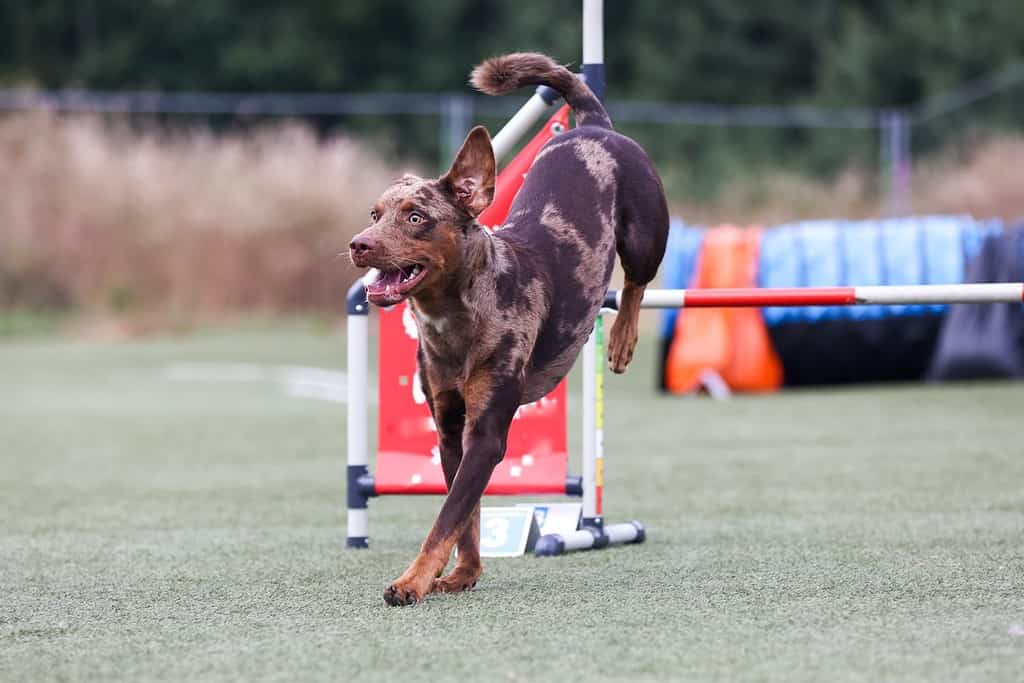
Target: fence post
<point>896,162</point>
<point>456,118</point>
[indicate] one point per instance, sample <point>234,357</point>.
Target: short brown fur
<point>502,316</point>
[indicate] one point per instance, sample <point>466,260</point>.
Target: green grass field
<point>156,526</point>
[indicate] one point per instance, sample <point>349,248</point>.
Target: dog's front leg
<point>468,567</point>
<point>449,411</point>
<point>490,404</point>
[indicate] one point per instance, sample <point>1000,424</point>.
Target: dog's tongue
<point>387,278</point>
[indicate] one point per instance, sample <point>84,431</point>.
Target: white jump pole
<point>593,45</point>
<point>593,72</point>
<point>357,330</point>
<point>594,532</point>
<point>521,122</point>
<point>589,441</point>
<point>970,293</point>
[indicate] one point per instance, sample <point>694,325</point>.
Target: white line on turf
<point>296,380</point>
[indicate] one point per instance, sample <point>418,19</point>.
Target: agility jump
<point>406,464</point>
<point>589,486</point>
<point>966,293</point>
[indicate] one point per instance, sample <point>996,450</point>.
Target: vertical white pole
<point>357,390</point>
<point>589,428</point>
<point>593,31</point>
<point>593,45</point>
<point>593,446</point>
<point>599,356</point>
<point>358,445</point>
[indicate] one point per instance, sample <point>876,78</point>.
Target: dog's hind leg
<point>640,236</point>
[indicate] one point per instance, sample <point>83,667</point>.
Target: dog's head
<point>419,226</point>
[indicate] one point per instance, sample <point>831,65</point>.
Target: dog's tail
<point>500,75</point>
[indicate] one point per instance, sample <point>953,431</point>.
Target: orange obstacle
<point>731,342</point>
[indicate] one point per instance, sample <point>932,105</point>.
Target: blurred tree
<point>869,53</point>
<point>855,52</point>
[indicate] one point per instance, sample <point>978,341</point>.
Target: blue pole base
<point>549,546</point>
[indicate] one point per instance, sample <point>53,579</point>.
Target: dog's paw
<point>621,344</point>
<point>460,580</point>
<point>618,362</point>
<point>402,594</point>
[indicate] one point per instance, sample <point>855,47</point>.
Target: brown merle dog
<point>502,316</point>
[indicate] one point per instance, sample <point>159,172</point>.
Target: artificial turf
<point>155,527</point>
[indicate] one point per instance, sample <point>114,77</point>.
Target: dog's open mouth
<point>393,285</point>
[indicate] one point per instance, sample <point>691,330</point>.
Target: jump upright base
<point>591,538</point>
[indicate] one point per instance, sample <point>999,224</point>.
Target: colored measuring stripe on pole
<point>599,415</point>
<point>989,292</point>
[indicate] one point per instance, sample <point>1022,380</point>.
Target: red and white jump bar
<point>980,293</point>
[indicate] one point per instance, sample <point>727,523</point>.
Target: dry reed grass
<point>99,217</point>
<point>983,178</point>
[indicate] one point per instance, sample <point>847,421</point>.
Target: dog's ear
<point>471,177</point>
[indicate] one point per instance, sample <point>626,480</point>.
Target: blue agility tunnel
<point>834,345</point>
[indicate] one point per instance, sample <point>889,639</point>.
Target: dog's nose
<point>361,245</point>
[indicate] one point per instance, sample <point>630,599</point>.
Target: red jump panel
<point>408,459</point>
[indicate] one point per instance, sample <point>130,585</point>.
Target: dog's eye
<point>373,215</point>
<point>416,218</point>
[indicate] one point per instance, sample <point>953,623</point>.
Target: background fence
<point>823,140</point>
